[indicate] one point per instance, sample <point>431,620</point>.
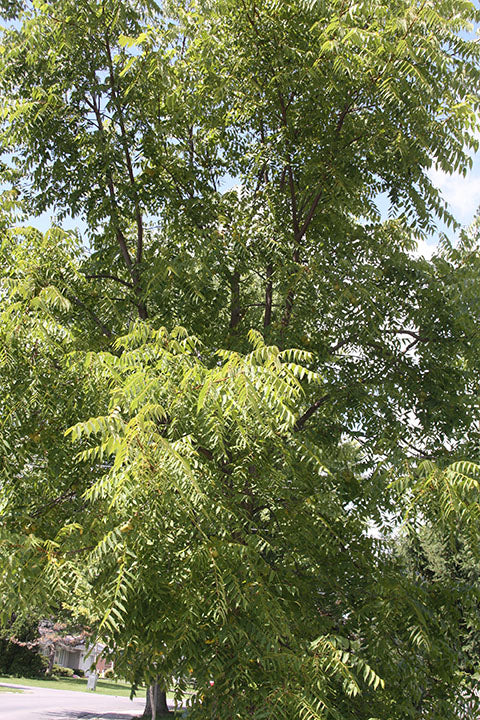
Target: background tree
<point>54,636</point>
<point>17,657</point>
<point>439,550</point>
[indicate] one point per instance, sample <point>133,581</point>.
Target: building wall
<point>68,658</point>
<point>81,659</point>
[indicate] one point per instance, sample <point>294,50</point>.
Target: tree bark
<point>51,661</point>
<point>161,707</point>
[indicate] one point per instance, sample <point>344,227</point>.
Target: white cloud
<point>461,193</point>
<point>425,249</point>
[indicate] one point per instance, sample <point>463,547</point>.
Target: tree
<point>17,657</point>
<point>265,579</point>
<point>54,636</point>
<point>156,704</point>
<point>30,644</point>
<point>443,562</point>
<point>382,108</point>
<point>228,500</point>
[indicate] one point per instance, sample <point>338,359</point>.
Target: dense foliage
<point>16,657</point>
<point>248,362</point>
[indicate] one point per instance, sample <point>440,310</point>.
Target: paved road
<point>45,704</point>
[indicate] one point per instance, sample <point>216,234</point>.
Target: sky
<point>462,195</point>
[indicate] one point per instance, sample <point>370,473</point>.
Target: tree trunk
<point>51,661</point>
<point>161,707</point>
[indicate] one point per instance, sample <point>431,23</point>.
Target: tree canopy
<point>213,395</point>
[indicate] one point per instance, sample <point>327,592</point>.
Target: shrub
<point>16,659</point>
<point>44,662</point>
<point>60,671</point>
<point>109,674</point>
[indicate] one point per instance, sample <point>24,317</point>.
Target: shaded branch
<point>106,276</point>
<point>122,243</point>
<point>311,411</point>
<point>105,330</point>
<point>128,159</point>
<point>310,215</point>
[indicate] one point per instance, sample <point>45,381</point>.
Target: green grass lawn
<point>4,689</point>
<point>104,687</point>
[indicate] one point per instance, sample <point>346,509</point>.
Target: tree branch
<point>310,215</point>
<point>141,307</point>
<point>105,276</point>
<point>128,159</point>
<point>105,330</point>
<point>311,411</point>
